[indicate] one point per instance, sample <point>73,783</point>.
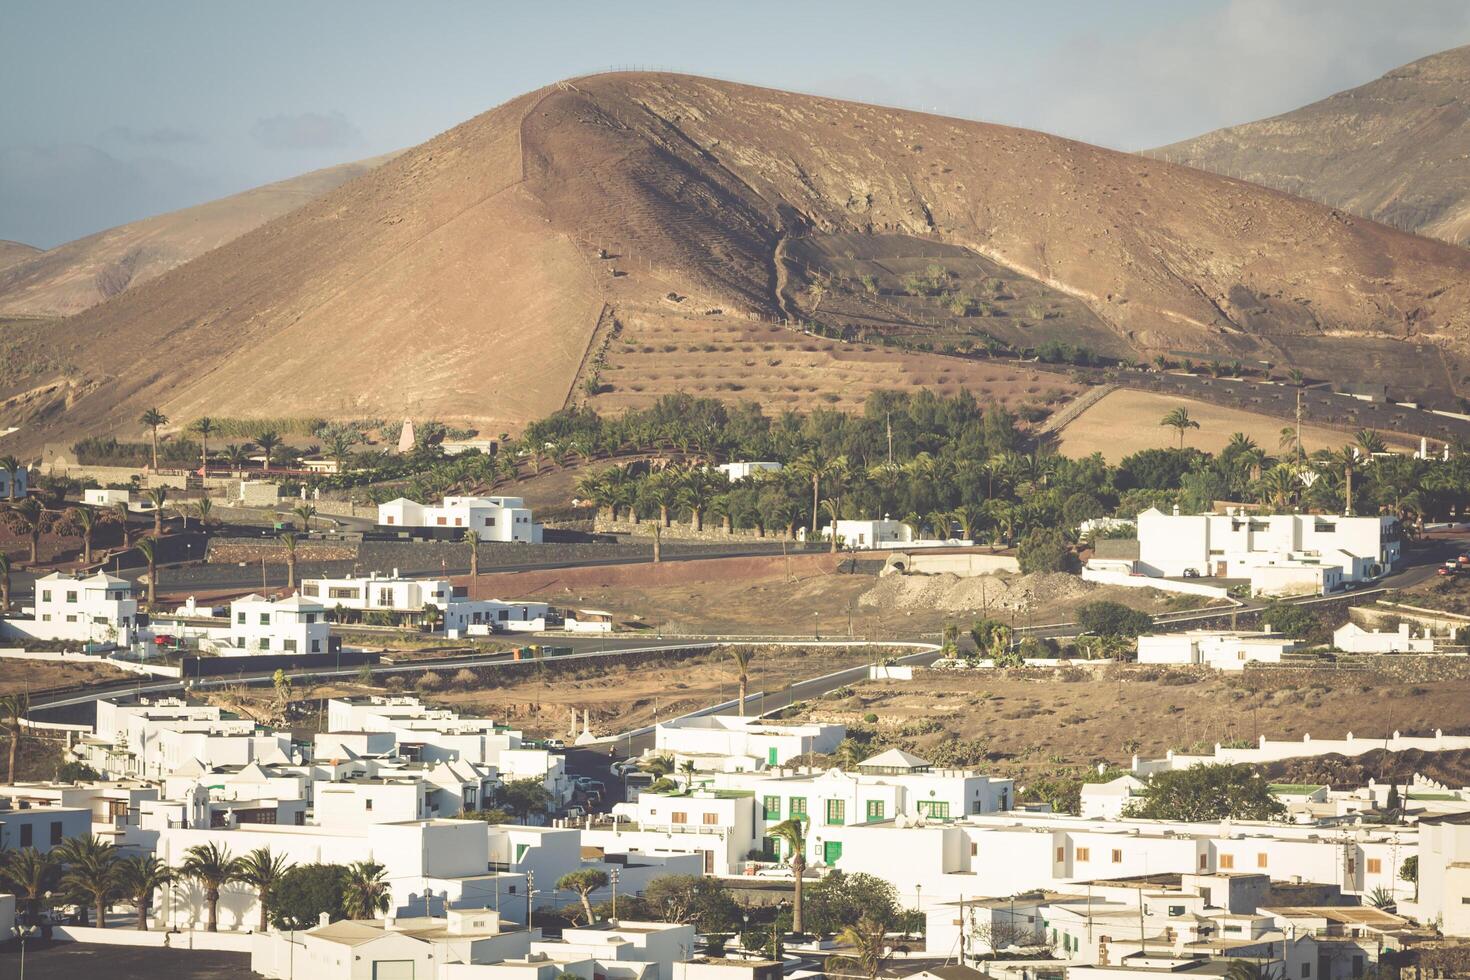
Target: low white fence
<point>230,942</point>
<point>1145,582</point>
<point>51,656</point>
<point>1269,751</point>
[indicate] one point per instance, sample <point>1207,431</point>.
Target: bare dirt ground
<point>1126,421</point>
<point>811,593</point>
<point>540,697</point>
<point>1031,723</point>
<point>19,676</point>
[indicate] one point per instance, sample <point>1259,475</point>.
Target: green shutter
<point>797,807</point>
<point>875,810</point>
<point>772,807</point>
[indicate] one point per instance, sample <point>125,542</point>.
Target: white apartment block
<point>739,744</point>
<point>867,535</point>
<point>726,817</point>
<point>1235,545</point>
<point>1220,649</point>
<point>153,740</point>
<point>407,597</point>
<point>492,518</point>
<point>1003,854</point>
<point>1108,801</point>
<point>292,625</point>
<point>42,827</point>
<point>1444,873</point>
<point>96,608</point>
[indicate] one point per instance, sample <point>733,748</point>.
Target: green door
<point>771,756</point>
<point>831,851</point>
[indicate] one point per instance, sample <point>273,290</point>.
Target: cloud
<point>306,131</point>
<point>160,136</point>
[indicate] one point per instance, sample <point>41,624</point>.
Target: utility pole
<point>1299,427</point>
<point>613,874</point>
<point>890,438</point>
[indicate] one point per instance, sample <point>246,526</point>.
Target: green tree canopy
<point>1207,793</point>
<point>839,900</point>
<point>1045,549</point>
<point>304,893</point>
<point>1107,618</point>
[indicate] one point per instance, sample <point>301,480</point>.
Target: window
<point>367,804</point>
<point>836,812</point>
<point>441,520</point>
<point>71,596</point>
<point>265,619</point>
<point>1306,969</point>
<point>310,588</point>
<point>390,518</point>
<point>289,646</point>
<point>45,595</point>
<point>1204,861</point>
<point>1375,866</point>
<point>797,807</point>
<point>1117,855</point>
<point>711,818</point>
<point>489,522</point>
<point>265,643</point>
<point>678,817</point>
<point>341,592</point>
<point>772,807</point>
<point>26,834</point>
<point>385,598</point>
<point>1061,854</point>
<point>933,808</point>
<point>875,809</point>
<point>1261,860</point>
<point>316,646</point>
<point>1176,910</point>
<point>310,618</point>
<point>1084,854</point>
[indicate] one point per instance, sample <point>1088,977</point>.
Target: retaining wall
<point>1271,751</point>
<point>120,935</point>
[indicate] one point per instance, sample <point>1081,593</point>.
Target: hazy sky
<point>116,109</point>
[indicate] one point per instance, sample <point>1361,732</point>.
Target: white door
<point>393,970</point>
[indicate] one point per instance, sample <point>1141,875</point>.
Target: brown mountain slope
<point>1396,149</point>
<point>466,279</point>
<point>13,252</point>
<point>80,274</point>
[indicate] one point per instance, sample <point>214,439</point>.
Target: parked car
<point>1191,573</point>
<point>574,813</point>
<point>554,745</point>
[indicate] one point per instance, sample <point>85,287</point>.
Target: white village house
<point>407,598</point>
<point>260,625</point>
<point>1281,554</point>
<point>745,470</point>
<point>1352,638</point>
<point>1220,649</point>
<point>492,518</point>
<point>96,608</point>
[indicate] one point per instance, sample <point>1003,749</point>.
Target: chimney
<point>1176,510</point>
<point>323,919</point>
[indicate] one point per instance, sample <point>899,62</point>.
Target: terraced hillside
<point>481,277</point>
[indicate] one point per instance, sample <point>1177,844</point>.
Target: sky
<point>113,111</point>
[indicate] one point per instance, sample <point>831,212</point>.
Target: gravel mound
<point>952,593</point>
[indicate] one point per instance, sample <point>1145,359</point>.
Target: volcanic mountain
<point>73,277</point>
<point>1396,149</point>
<point>620,235</point>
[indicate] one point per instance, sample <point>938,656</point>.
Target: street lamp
<point>25,933</point>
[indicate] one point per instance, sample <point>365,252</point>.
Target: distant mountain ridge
<point>1396,150</point>
<point>78,275</point>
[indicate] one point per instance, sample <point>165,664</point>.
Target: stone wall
<point>713,530</point>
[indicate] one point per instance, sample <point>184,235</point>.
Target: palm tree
<point>687,769</point>
<point>742,655</point>
<point>1278,487</point>
<point>121,513</point>
<point>86,522</point>
<point>969,519</point>
<point>663,490</point>
<point>472,539</point>
<point>237,456</point>
<point>14,707</point>
<point>339,448</point>
<point>10,466</point>
<point>138,877</point>
<point>91,873</point>
<point>261,870</point>
<point>4,582</point>
<point>432,616</point>
<point>288,541</point>
<point>793,832</point>
<point>30,874</point>
<point>1249,970</point>
<point>867,945</point>
<point>1347,459</point>
<point>148,548</point>
<point>205,427</point>
<point>833,510</point>
<point>211,865</point>
<point>29,518</point>
<point>817,467</point>
<point>268,441</point>
<point>593,487</point>
<point>157,497</point>
<point>1179,420</point>
<point>152,419</point>
<point>1370,442</point>
<point>204,508</point>
<point>304,513</point>
<point>364,890</point>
